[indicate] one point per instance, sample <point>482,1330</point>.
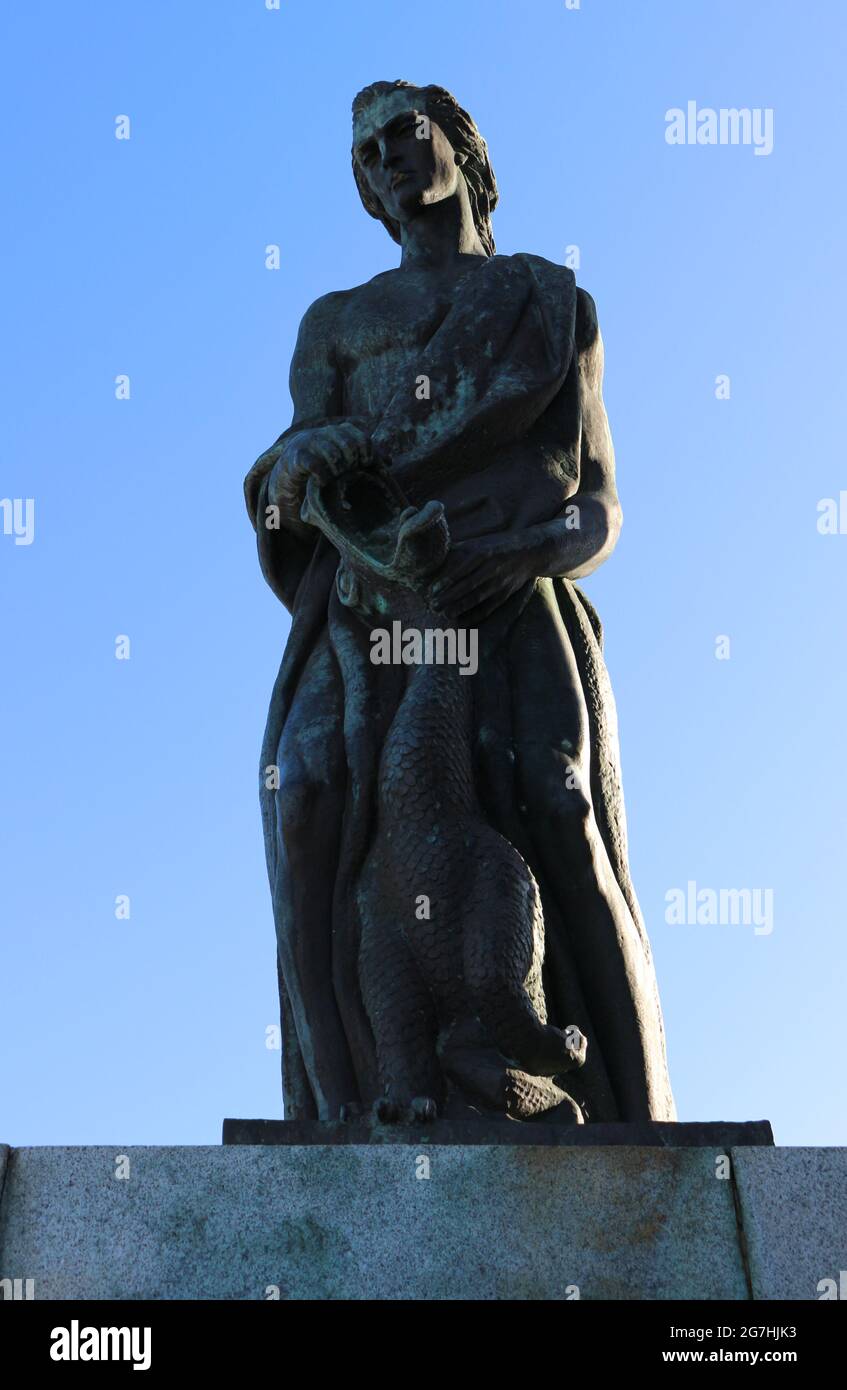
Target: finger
<point>321,458</point>
<point>335,446</point>
<point>286,485</point>
<point>317,466</point>
<point>276,488</point>
<point>477,616</point>
<point>351,453</point>
<point>299,461</point>
<point>268,458</point>
<point>484,600</point>
<point>370,453</point>
<point>266,462</point>
<point>355,444</point>
<point>325,447</point>
<point>456,575</point>
<point>458,609</point>
<point>460,590</point>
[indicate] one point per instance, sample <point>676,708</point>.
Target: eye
<point>403,127</point>
<point>367,154</point>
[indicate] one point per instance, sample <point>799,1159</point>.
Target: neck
<point>441,234</point>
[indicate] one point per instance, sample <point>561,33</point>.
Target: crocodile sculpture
<point>452,930</point>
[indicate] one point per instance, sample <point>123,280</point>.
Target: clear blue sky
<point>146,257</point>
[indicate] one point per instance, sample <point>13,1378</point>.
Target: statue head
<point>411,146</point>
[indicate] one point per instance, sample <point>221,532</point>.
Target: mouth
<point>371,523</point>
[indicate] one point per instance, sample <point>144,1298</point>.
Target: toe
<point>424,1109</point>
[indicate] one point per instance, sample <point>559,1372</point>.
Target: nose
<point>388,155</point>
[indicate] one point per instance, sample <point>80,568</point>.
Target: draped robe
<point>498,443</point>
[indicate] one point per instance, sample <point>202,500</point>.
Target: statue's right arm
<point>316,443</point>
<point>315,385</point>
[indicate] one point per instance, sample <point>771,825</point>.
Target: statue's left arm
<point>572,552</point>
<point>585,532</point>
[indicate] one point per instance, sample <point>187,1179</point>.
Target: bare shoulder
<point>320,321</point>
<point>373,288</point>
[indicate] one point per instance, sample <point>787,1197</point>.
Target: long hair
<point>466,140</point>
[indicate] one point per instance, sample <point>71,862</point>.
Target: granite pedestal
<point>427,1220</point>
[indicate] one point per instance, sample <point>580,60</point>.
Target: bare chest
<point>381,339</point>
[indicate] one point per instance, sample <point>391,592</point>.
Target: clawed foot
<point>419,1110</point>
<point>567,1051</point>
<point>576,1044</point>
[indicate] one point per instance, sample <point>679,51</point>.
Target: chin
<point>410,203</point>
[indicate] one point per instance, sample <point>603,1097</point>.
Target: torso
<point>380,330</point>
<point>382,326</point>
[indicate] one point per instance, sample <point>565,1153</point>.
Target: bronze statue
<point>456,925</point>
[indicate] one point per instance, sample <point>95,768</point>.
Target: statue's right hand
<point>322,453</point>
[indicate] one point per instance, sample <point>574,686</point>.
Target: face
<point>406,170</point>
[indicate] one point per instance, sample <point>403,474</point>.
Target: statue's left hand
<point>480,575</point>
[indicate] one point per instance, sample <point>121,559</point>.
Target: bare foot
<point>564,1051</point>
<point>389,1110</point>
<point>350,1110</point>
